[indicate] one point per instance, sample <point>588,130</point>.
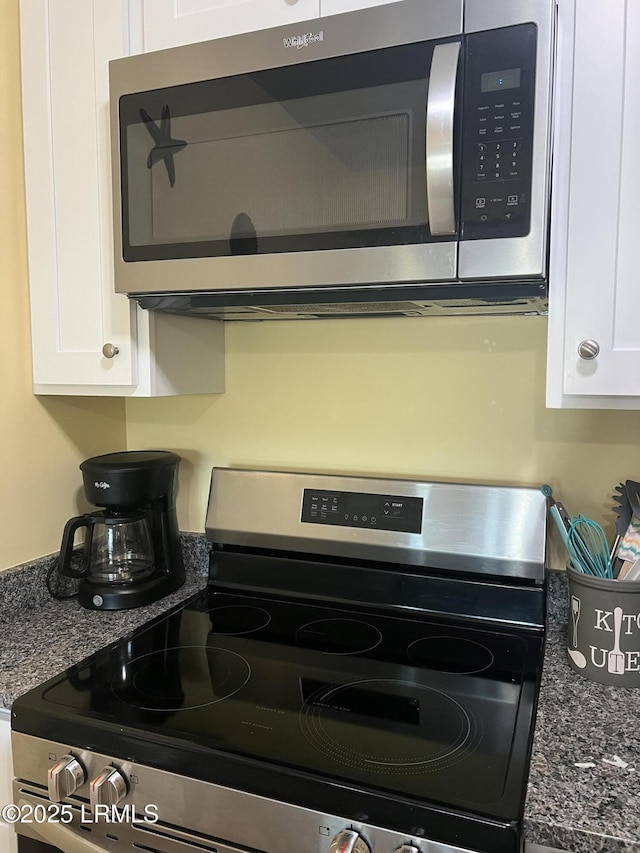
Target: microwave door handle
<point>441,99</point>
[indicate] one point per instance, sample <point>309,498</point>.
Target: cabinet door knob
<point>588,350</point>
<point>110,350</point>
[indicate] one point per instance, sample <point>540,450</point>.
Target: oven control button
<point>349,841</point>
<point>406,848</point>
<point>108,788</point>
<point>64,778</point>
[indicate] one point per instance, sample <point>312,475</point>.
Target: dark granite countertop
<point>584,783</point>
<point>40,636</point>
<point>584,787</point>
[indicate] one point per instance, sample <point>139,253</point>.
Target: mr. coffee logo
<point>304,40</point>
<point>102,485</point>
<point>612,657</point>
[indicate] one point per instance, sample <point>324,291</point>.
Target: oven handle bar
<point>440,115</point>
<point>58,835</point>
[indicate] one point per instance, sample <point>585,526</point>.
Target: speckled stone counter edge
<point>41,636</point>
<point>24,587</point>
<point>593,806</point>
<point>558,599</point>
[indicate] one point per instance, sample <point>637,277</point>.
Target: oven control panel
<point>358,509</point>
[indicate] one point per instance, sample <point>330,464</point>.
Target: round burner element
<point>339,636</point>
<point>176,679</point>
<point>388,726</point>
<point>451,654</point>
<point>235,619</point>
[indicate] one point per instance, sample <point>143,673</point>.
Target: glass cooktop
<point>422,708</point>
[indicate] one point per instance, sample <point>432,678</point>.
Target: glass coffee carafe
<point>117,549</point>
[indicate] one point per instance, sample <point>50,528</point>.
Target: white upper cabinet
<point>594,333</point>
<point>168,23</point>
<point>86,339</point>
<point>335,7</point>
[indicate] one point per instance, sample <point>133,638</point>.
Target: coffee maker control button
<point>64,778</point>
<point>97,600</point>
<point>108,788</point>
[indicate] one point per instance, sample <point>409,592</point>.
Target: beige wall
<point>449,398</point>
<point>42,440</point>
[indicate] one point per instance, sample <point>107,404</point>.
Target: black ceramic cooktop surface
<point>428,709</point>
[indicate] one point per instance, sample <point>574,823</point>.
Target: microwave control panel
<point>497,142</point>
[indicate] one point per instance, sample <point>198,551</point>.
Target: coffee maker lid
<point>130,460</point>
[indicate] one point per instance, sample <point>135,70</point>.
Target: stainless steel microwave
<point>391,160</point>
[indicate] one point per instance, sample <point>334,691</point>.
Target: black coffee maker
<point>132,554</point>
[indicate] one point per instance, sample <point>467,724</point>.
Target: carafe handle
<point>66,548</point>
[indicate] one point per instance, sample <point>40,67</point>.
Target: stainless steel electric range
<point>360,674</point>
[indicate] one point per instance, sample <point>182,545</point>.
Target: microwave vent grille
<point>344,308</point>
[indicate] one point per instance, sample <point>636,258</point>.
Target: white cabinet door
<point>335,7</point>
<point>594,335</point>
<point>66,46</point>
<point>8,841</point>
<point>168,23</point>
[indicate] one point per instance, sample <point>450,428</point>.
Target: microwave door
<point>333,172</point>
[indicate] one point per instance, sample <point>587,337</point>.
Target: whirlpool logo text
<point>304,40</point>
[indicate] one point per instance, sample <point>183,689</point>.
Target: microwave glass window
<point>273,163</point>
<point>331,157</point>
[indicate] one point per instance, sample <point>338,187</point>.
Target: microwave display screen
<point>493,81</point>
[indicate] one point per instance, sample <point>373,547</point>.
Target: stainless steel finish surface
<point>377,265</point>
<point>349,32</point>
<point>193,815</point>
<point>64,778</point>
<point>59,835</point>
<point>110,350</point>
<point>588,350</point>
<point>440,108</point>
<point>486,529</point>
<point>519,256</point>
<point>383,267</point>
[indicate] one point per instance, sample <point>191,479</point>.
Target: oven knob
<point>349,841</point>
<point>406,848</point>
<point>64,778</point>
<point>108,788</point>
